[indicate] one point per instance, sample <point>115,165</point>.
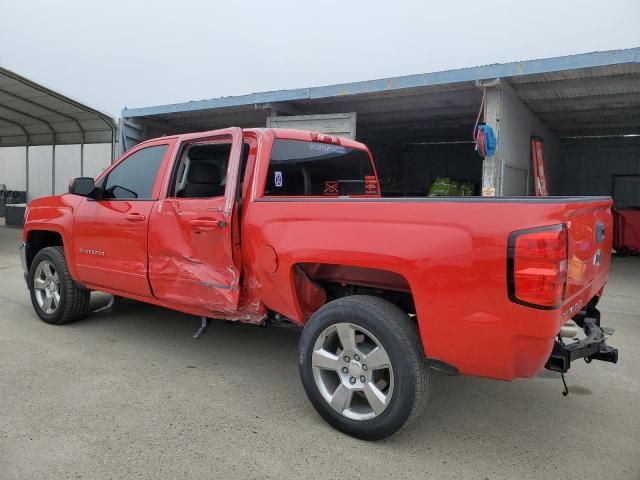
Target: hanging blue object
<point>485,141</point>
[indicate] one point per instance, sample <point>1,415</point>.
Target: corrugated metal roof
<point>443,103</point>
<point>31,114</point>
<point>612,59</point>
<point>593,101</point>
<point>576,74</point>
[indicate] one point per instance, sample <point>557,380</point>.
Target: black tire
<point>398,335</point>
<point>74,300</point>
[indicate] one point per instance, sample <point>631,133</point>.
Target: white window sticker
<point>277,178</point>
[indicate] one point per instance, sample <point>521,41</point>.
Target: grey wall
<point>510,169</point>
<point>42,177</point>
<point>67,166</point>
<point>97,157</point>
<point>389,165</point>
<point>589,165</point>
<point>40,165</point>
<point>13,167</point>
<point>456,161</point>
<point>340,124</point>
<point>410,170</point>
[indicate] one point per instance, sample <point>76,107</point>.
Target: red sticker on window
<point>331,187</point>
<point>370,185</point>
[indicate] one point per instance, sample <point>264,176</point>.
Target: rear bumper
<point>592,347</point>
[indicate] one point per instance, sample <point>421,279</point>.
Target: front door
<point>191,251</point>
<point>110,233</point>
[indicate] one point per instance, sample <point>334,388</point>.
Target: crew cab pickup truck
<point>258,224</point>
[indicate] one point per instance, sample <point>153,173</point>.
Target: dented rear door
<point>191,258</point>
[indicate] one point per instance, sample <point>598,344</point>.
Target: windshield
<point>301,168</point>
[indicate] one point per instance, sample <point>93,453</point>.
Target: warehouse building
<point>584,108</point>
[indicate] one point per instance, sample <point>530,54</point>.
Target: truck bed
<point>452,252</point>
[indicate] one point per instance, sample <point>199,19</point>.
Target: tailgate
<point>590,236</point>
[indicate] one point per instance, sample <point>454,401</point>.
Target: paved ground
<point>132,395</point>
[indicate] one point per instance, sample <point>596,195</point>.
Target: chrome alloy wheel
<point>352,371</point>
<point>46,286</point>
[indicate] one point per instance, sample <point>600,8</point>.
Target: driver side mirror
<point>82,186</point>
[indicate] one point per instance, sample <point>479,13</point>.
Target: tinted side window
<point>135,176</point>
<point>303,168</point>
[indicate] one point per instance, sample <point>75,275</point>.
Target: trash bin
<point>16,196</point>
<point>14,214</point>
<point>4,199</point>
<point>626,231</point>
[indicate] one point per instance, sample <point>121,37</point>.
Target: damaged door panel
<point>190,231</point>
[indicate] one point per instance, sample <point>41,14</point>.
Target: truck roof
<point>289,133</point>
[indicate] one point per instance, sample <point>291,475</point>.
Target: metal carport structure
<point>34,115</point>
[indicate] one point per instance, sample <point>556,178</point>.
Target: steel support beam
<point>53,168</point>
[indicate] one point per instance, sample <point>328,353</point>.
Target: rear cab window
<point>299,168</point>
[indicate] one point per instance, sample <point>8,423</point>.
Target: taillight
<point>537,266</point>
<point>324,138</point>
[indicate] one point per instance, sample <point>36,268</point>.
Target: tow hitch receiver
<point>592,347</point>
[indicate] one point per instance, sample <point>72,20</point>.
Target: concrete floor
<point>132,395</point>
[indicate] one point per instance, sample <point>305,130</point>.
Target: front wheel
<point>55,297</point>
<point>362,366</point>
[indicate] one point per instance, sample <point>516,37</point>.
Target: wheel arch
<point>38,237</point>
<point>36,240</point>
<point>317,283</point>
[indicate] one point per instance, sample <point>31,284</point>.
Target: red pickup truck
<point>258,224</point>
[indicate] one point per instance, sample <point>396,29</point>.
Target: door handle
<point>203,225</point>
<point>135,217</point>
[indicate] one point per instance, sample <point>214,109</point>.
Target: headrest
<point>203,173</point>
<point>201,152</point>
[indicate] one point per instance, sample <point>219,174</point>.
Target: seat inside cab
<point>202,171</point>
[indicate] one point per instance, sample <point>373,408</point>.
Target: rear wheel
<point>55,297</point>
<point>362,366</point>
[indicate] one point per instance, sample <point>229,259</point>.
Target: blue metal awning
<point>565,92</point>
